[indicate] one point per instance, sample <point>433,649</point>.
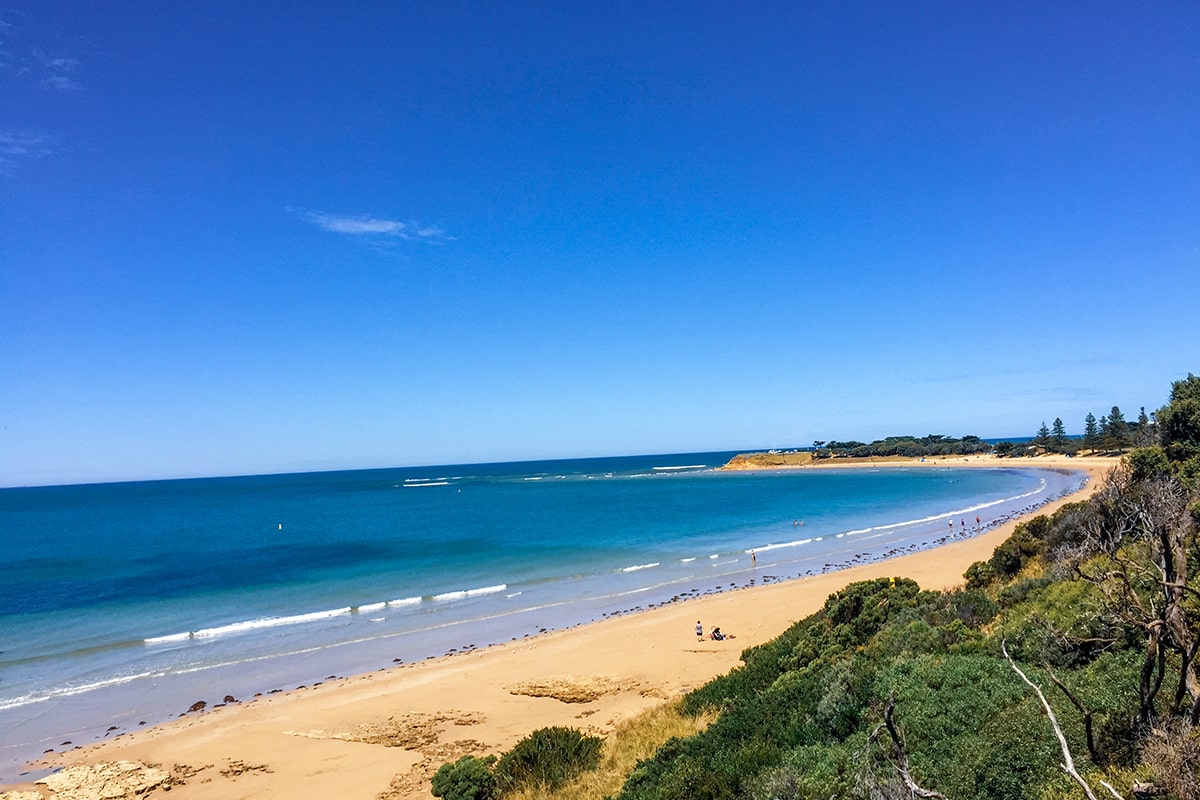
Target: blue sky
<point>289,236</point>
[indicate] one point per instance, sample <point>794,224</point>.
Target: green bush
<point>1018,592</point>
<point>1015,551</point>
<point>548,757</point>
<point>469,778</point>
<point>980,575</point>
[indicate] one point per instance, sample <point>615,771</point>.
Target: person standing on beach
<point>699,631</point>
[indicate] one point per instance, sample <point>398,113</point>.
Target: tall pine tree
<point>1091,432</point>
<point>1043,436</point>
<point>1058,436</point>
<point>1118,430</point>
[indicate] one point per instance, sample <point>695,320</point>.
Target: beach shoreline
<point>325,739</point>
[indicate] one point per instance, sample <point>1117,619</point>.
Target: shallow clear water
<point>126,602</point>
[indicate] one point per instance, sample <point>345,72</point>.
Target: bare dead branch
<point>900,755</point>
<point>1085,712</point>
<point>1068,763</point>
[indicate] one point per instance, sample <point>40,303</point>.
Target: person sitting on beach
<point>718,636</point>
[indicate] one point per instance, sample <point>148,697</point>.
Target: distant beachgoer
<point>699,630</point>
<point>976,519</point>
<point>964,522</point>
<point>753,558</point>
<point>717,635</point>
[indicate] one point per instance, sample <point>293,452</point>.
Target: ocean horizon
<point>127,602</point>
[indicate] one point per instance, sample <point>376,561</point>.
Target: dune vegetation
<point>1064,666</point>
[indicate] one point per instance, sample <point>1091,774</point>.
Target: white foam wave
<point>249,625</point>
<point>949,514</point>
<point>687,560</point>
<point>639,567</point>
<point>780,545</point>
<point>421,485</point>
<point>369,607</point>
<point>462,594</point>
<point>70,691</point>
<point>173,637</point>
<point>405,601</point>
<point>686,466</point>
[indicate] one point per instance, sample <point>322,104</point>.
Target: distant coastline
<point>775,460</point>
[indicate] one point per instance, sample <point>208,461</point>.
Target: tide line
<point>248,625</point>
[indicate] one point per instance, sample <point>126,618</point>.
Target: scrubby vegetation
<point>543,760</point>
<point>907,446</point>
<point>1066,666</point>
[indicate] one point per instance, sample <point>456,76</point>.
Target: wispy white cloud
<point>376,229</point>
<point>19,147</point>
<point>59,83</point>
<point>57,71</point>
<point>53,72</point>
<point>358,226</point>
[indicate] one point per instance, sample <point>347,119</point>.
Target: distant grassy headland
<point>893,448</point>
<point>1111,435</point>
<point>769,460</point>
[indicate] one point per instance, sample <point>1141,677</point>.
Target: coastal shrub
<point>1014,552</point>
<point>980,575</point>
<point>1010,758</point>
<point>1107,687</point>
<point>1147,462</point>
<point>761,666</point>
<point>548,757</point>
<point>469,778</point>
<point>1173,756</point>
<point>861,609</point>
<point>1018,591</point>
<point>813,772</point>
<point>1055,622</point>
<point>941,701</point>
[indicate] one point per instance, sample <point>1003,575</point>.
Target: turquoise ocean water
<point>124,603</point>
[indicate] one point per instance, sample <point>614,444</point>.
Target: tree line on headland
<point>1112,433</point>
<point>1066,666</point>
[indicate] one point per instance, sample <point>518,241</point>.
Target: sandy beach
<point>384,733</point>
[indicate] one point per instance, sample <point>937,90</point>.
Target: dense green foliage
<point>545,759</point>
<point>890,691</point>
<point>548,757</point>
<point>1098,604</point>
<point>469,778</point>
<point>908,446</point>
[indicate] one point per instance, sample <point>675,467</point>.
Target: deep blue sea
<point>124,603</point>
